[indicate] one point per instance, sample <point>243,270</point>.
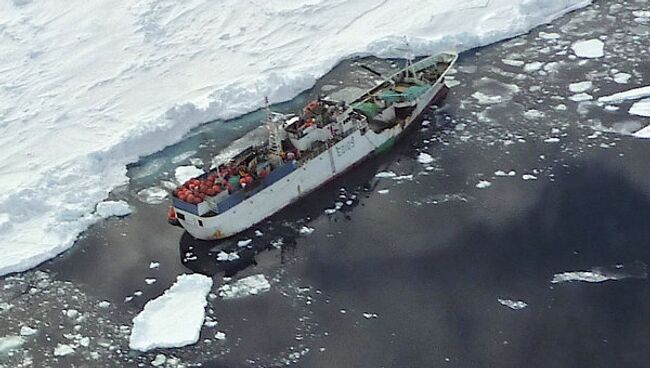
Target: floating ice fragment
<point>153,265</point>
<point>152,195</point>
<point>533,114</point>
<point>622,78</point>
<point>580,86</point>
<point>9,343</point>
<point>385,174</point>
<point>185,173</point>
<point>632,94</point>
<point>383,191</point>
<point>251,285</point>
<point>107,209</point>
<point>71,313</point>
<point>150,281</point>
<point>636,270</point>
<point>641,108</point>
<point>549,36</point>
<point>503,173</point>
<point>451,83</point>
<point>483,184</point>
<point>426,123</point>
<point>305,230</point>
<point>589,48</point>
<point>27,331</point>
<point>516,305</point>
<point>159,360</point>
<point>552,140</point>
<point>63,350</point>
<point>258,233</point>
<point>643,133</point>
<point>227,257</point>
<point>403,177</point>
<point>330,211</point>
<point>220,336</point>
<point>104,304</point>
<point>512,62</point>
<point>370,315</point>
<point>175,318</point>
<point>534,66</point>
<point>529,177</point>
<point>245,242</point>
<point>579,97</point>
<point>425,158</point>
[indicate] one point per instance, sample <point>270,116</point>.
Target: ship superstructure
<point>305,151</point>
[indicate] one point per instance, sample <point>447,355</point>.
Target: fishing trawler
<point>305,151</point>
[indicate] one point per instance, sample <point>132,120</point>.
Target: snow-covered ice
<point>636,270</point>
<point>227,257</point>
<point>245,242</point>
<point>483,184</point>
<point>175,318</point>
<point>63,350</point>
<point>512,304</point>
<point>306,230</point>
<point>593,48</point>
<point>643,133</point>
<point>529,177</point>
<point>153,195</point>
<point>88,88</point>
<point>622,78</point>
<point>27,331</point>
<point>641,108</point>
<point>185,173</point>
<point>632,94</point>
<point>107,209</point>
<point>425,158</point>
<point>580,86</point>
<point>9,343</point>
<point>250,285</point>
<point>385,174</point>
<point>579,97</point>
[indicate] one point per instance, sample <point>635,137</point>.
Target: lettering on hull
<point>343,148</point>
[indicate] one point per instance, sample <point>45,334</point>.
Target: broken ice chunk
<point>516,305</point>
<point>251,285</point>
<point>588,48</point>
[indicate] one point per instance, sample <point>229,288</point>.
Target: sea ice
<point>529,177</point>
<point>305,230</point>
<point>516,305</point>
<point>153,195</point>
<point>533,67</point>
<point>425,158</point>
<point>385,174</point>
<point>245,242</point>
<point>383,191</point>
<point>9,343</point>
<point>483,184</point>
<point>632,94</point>
<point>173,319</point>
<point>552,140</point>
<point>643,133</point>
<point>512,62</point>
<point>250,285</point>
<point>185,173</point>
<point>637,270</point>
<point>27,331</point>
<point>63,350</point>
<point>589,48</point>
<point>580,86</point>
<point>153,265</point>
<point>107,209</point>
<point>622,78</point>
<point>75,125</point>
<point>579,97</point>
<point>503,173</point>
<point>227,257</point>
<point>641,108</point>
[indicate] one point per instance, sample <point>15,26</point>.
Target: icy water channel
<point>523,241</point>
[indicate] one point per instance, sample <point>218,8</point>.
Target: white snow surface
<point>425,158</point>
<point>108,209</point>
<point>643,133</point>
<point>185,173</point>
<point>632,94</point>
<point>89,87</point>
<point>641,108</point>
<point>589,49</point>
<point>173,319</point>
<point>250,285</point>
<point>513,304</point>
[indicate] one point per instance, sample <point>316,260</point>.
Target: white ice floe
<point>529,177</point>
<point>622,78</point>
<point>63,350</point>
<point>27,331</point>
<point>425,158</point>
<point>512,62</point>
<point>503,173</point>
<point>580,86</point>
<point>150,281</point>
<point>154,265</point>
<point>70,128</point>
<point>104,304</point>
<point>595,275</point>
<point>403,177</point>
<point>220,335</point>
<point>552,140</point>
<point>512,304</point>
<point>9,343</point>
<point>108,209</point>
<point>579,97</point>
<point>483,184</point>
<point>383,191</point>
<point>385,174</point>
<point>245,242</point>
<point>227,257</point>
<point>153,195</point>
<point>643,133</point>
<point>173,319</point>
<point>632,94</point>
<point>159,360</point>
<point>593,48</point>
<point>250,285</point>
<point>306,230</point>
<point>185,173</point>
<point>533,66</point>
<point>533,114</point>
<point>641,108</point>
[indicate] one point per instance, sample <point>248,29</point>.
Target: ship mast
<point>275,140</point>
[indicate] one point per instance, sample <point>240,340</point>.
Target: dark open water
<point>430,258</point>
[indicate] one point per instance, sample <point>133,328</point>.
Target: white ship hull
<point>304,179</point>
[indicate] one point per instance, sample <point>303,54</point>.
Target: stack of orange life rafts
<point>195,190</point>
